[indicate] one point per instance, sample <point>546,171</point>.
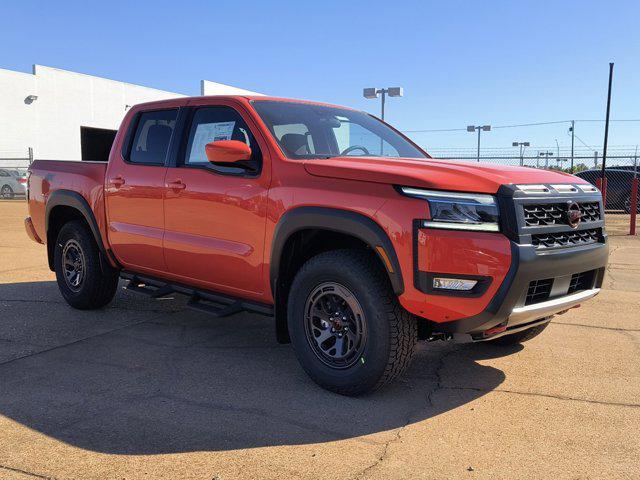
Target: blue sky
<point>460,62</point>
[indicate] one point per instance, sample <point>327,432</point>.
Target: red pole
<point>602,186</point>
<point>634,206</point>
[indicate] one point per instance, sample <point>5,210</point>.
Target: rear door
<point>134,188</point>
<point>215,216</point>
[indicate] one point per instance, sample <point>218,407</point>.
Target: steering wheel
<point>350,149</point>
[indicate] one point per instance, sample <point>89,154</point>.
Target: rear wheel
<point>523,336</point>
<point>84,283</point>
<point>6,192</point>
<point>348,330</point>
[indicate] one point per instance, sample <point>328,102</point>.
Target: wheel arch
<point>341,229</point>
<point>64,206</point>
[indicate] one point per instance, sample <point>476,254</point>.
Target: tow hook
<point>435,336</point>
<point>565,311</point>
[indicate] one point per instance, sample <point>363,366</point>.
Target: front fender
<point>335,220</point>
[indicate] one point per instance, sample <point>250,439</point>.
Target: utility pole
<point>573,133</point>
<point>606,139</point>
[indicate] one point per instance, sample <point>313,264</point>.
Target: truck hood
<point>435,174</point>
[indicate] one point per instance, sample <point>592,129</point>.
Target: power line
<point>518,125</point>
<point>583,142</point>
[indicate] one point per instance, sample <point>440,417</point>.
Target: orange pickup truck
<point>325,218</point>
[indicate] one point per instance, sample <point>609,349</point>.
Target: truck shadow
<point>149,377</point>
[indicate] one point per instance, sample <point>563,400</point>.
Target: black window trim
<point>130,136</point>
<point>179,160</point>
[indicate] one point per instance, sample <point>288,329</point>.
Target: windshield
<point>313,131</point>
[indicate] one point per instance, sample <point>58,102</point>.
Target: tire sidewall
<point>74,231</point>
<point>371,366</point>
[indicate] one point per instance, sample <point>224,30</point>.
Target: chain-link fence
<point>13,173</point>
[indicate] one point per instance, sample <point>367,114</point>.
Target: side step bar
<point>216,304</point>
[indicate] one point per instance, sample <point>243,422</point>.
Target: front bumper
<point>508,307</point>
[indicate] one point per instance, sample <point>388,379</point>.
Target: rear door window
<point>152,137</point>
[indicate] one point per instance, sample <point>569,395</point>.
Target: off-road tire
<point>523,336</point>
<point>99,283</point>
<point>391,331</point>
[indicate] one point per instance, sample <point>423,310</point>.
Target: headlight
<point>459,211</point>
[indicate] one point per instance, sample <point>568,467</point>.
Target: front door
<point>134,189</point>
<point>215,215</point>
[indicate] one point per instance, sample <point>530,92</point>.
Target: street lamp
<point>522,146</point>
<point>372,93</point>
<point>546,156</point>
<point>473,128</point>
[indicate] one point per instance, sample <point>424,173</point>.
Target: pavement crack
<point>113,307</point>
<point>398,433</point>
<point>25,472</point>
<point>439,386</point>
<point>57,347</point>
<point>616,329</point>
<point>545,395</point>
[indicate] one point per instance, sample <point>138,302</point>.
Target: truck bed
<point>82,177</point>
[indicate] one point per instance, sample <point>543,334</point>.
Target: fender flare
<point>335,220</point>
<point>69,198</point>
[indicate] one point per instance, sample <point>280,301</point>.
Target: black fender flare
<point>335,220</point>
<point>69,198</point>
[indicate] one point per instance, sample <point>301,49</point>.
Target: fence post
<point>634,205</point>
<point>601,183</point>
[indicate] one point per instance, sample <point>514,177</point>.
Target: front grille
<point>581,281</point>
<point>539,291</point>
<point>544,214</point>
<point>590,211</point>
<point>565,239</point>
<point>539,215</point>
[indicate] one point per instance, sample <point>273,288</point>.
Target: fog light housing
<point>459,284</point>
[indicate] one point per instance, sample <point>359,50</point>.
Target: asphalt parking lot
<point>147,389</point>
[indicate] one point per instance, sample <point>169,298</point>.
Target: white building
<point>58,114</point>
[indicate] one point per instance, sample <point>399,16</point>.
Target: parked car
<point>12,183</point>
<point>326,219</point>
<point>619,182</point>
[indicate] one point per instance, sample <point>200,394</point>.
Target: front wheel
<point>347,328</point>
<point>83,282</point>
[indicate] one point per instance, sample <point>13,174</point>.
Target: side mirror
<point>227,151</point>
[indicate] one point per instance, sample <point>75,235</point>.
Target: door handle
<point>177,185</point>
<point>117,181</point>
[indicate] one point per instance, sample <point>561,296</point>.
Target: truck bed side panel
<point>85,178</point>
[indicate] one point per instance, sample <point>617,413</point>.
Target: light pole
<point>473,128</point>
<point>546,156</point>
<point>372,93</point>
<point>522,146</point>
<point>559,162</point>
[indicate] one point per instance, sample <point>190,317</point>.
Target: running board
<point>215,304</point>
